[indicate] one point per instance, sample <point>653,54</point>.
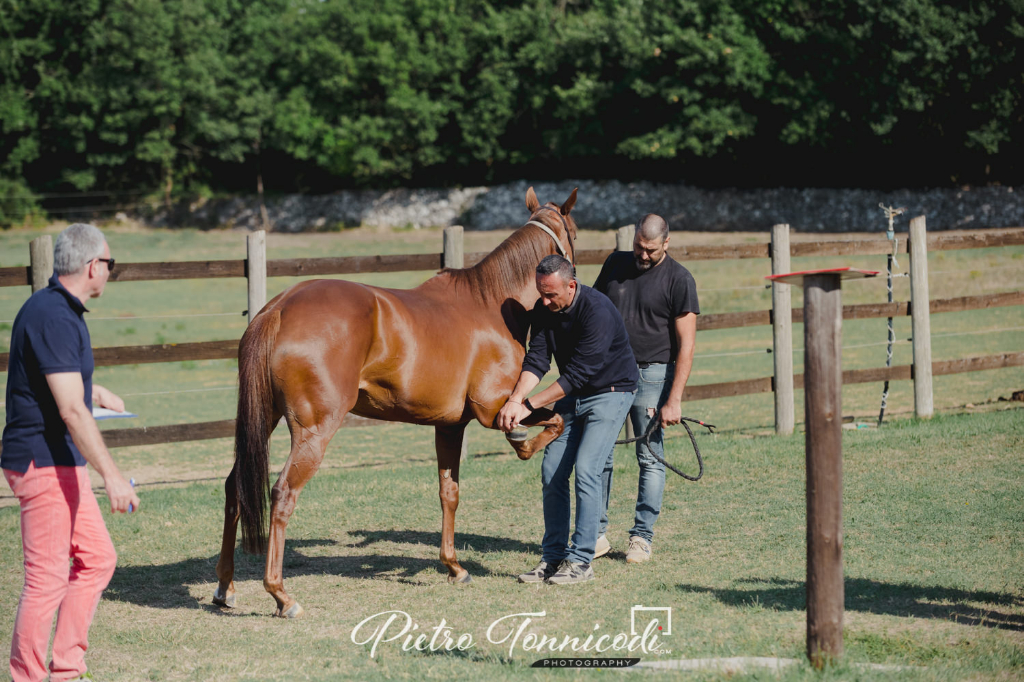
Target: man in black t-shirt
<point>657,299</point>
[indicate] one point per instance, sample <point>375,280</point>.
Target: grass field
<point>933,510</point>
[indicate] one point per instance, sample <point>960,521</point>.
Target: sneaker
<point>541,573</point>
<point>602,547</point>
<point>570,572</point>
<point>639,550</point>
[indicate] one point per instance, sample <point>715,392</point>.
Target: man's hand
<point>102,397</point>
<point>671,413</point>
<point>121,493</point>
<point>511,414</point>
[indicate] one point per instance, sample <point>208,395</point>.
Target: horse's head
<point>557,220</point>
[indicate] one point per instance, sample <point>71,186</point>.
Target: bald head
<point>652,228</point>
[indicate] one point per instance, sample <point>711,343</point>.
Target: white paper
<point>99,413</point>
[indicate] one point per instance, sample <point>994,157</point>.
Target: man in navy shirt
<point>584,332</point>
<point>49,436</point>
<point>658,301</point>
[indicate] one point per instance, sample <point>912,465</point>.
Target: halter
<point>558,243</point>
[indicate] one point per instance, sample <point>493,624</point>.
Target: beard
<point>643,265</point>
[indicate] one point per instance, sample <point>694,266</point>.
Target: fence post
<point>823,407</point>
<point>624,242</point>
<point>624,238</point>
<point>920,320</point>
<point>782,333</point>
<point>454,252</point>
<point>40,253</point>
<point>256,271</point>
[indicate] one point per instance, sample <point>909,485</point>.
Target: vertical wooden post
<point>624,242</point>
<point>40,253</point>
<point>624,238</point>
<point>782,333</point>
<point>256,271</point>
<point>454,255</point>
<point>823,383</point>
<point>920,320</point>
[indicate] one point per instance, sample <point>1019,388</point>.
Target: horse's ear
<point>569,203</point>
<point>531,200</point>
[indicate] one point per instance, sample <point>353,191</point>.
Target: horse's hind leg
<point>224,595</point>
<point>448,443</point>
<point>308,446</point>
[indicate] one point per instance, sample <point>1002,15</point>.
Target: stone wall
<point>604,205</point>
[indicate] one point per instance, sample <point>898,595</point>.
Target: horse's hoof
<point>294,611</point>
<point>221,600</point>
<point>518,435</point>
<point>464,580</point>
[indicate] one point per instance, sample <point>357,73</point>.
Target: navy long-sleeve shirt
<point>589,342</point>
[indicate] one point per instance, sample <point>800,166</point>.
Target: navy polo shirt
<point>49,337</point>
<point>589,342</point>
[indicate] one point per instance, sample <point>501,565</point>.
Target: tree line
<point>185,97</point>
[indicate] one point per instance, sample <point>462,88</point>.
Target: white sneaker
<point>602,547</point>
<point>639,550</point>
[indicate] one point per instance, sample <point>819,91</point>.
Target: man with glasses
<point>49,436</point>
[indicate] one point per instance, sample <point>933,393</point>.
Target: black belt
<point>645,365</point>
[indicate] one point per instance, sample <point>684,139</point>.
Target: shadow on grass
<point>872,596</point>
<point>166,586</point>
<point>480,543</point>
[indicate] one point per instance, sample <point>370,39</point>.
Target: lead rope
<point>653,425</point>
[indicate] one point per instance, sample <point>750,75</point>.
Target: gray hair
<point>652,226</point>
<point>75,247</point>
<point>555,264</point>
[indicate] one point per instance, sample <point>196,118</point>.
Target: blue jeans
<point>591,425</point>
<point>654,387</point>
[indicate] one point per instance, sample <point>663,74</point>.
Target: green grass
<point>933,556</point>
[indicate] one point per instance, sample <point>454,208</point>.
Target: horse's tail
<point>253,426</point>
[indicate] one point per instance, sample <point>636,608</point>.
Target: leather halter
<point>550,232</point>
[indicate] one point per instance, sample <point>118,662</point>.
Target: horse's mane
<point>503,271</point>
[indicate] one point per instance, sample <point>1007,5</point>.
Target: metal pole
<point>782,333</point>
<point>823,318</point>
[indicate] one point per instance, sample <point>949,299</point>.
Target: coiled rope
<point>652,427</point>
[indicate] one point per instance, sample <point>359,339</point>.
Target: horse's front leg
<point>448,443</point>
<point>553,426</point>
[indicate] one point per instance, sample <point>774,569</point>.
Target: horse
<point>441,354</point>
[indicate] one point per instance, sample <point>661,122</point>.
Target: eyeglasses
<point>109,262</point>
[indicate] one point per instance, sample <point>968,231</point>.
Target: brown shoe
<point>602,547</point>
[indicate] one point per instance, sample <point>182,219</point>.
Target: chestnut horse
<point>443,354</point>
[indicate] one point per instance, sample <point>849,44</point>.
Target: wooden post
<point>782,333</point>
<point>624,242</point>
<point>823,383</point>
<point>256,271</point>
<point>624,238</point>
<point>40,253</point>
<point>920,320</point>
<point>454,252</point>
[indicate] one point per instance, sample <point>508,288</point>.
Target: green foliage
<point>183,94</point>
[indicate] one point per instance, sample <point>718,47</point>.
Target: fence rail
<point>295,267</point>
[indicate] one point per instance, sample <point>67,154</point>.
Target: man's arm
<point>685,329</point>
<point>69,394</point>
<point>513,411</point>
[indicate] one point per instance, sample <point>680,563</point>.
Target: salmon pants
<point>69,559</point>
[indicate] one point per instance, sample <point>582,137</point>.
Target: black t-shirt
<point>649,302</point>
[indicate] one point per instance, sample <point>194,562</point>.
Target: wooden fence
<point>256,268</point>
